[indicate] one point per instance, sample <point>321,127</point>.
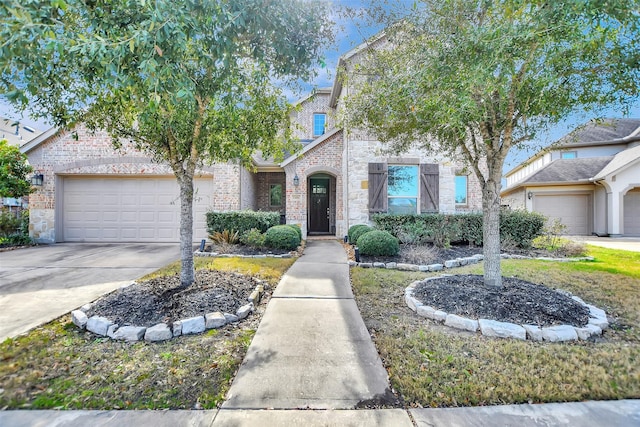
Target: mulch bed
<point>518,301</point>
<point>164,300</point>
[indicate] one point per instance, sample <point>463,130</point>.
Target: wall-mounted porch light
<point>529,195</point>
<point>296,180</point>
<point>37,179</point>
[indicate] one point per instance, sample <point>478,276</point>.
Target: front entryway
<point>321,204</point>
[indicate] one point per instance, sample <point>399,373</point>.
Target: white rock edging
<point>161,332</point>
<point>454,263</point>
<point>492,328</point>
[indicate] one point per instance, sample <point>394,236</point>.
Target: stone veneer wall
<point>515,200</point>
<point>248,184</point>
<point>324,158</point>
<point>363,151</point>
<point>93,154</point>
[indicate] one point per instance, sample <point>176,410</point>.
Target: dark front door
<point>319,205</point>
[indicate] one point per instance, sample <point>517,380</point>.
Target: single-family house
<point>92,193</point>
<point>589,180</point>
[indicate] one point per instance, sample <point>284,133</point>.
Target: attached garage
<point>573,210</point>
<point>128,209</point>
<point>632,213</point>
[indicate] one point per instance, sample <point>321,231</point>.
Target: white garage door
<point>573,210</point>
<point>101,209</point>
<point>632,213</point>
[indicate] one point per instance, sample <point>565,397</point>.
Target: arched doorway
<point>632,212</point>
<point>321,215</point>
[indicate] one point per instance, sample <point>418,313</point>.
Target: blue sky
<point>352,31</point>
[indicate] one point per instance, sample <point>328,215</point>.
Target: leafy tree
<point>189,82</point>
<point>13,171</point>
<point>473,79</point>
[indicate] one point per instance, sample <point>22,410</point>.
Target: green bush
<point>355,231</point>
<point>517,227</point>
<point>253,238</point>
<point>296,227</point>
<point>10,224</point>
<point>241,221</point>
<point>521,227</point>
<point>282,237</point>
<point>378,243</point>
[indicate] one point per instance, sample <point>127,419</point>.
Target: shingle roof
<point>607,130</point>
<point>569,170</point>
<point>620,161</point>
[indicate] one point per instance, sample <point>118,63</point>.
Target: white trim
<point>35,142</point>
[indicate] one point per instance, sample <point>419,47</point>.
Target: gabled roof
<point>593,133</point>
<point>569,171</point>
<point>320,90</point>
<point>39,139</point>
<point>342,64</point>
<point>15,132</point>
<point>310,146</point>
<point>603,132</point>
<point>620,161</point>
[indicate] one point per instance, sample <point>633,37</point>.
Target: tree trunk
<point>187,271</point>
<point>491,232</point>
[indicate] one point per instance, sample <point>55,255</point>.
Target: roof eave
<point>35,142</point>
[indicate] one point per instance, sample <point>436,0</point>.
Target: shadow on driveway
<point>41,283</point>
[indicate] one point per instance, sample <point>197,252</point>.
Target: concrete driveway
<point>41,283</point>
<point>622,243</point>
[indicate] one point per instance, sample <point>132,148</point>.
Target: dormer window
<point>319,124</point>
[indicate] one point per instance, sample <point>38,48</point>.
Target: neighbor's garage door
<point>632,213</point>
<point>99,209</point>
<point>573,210</point>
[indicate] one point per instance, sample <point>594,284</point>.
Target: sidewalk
<point>312,349</point>
<point>313,352</point>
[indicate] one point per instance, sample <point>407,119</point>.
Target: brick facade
<point>317,102</point>
<point>325,158</point>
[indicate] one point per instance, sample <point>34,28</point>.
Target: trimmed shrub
<point>518,228</point>
<point>378,243</point>
<point>241,221</point>
<point>296,227</point>
<point>521,227</point>
<point>355,231</point>
<point>282,237</point>
<point>253,238</point>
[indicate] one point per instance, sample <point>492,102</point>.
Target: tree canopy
<point>473,79</point>
<point>14,169</point>
<point>188,82</point>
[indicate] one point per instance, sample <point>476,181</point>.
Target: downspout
<point>345,138</point>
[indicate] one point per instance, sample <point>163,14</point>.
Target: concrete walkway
<point>312,349</point>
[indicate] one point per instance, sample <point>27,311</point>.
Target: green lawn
<point>59,366</point>
<point>434,366</point>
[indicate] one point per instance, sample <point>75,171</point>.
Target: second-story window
<point>319,123</point>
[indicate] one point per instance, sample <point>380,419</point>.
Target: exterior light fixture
<point>529,195</point>
<point>37,179</point>
<point>296,180</point>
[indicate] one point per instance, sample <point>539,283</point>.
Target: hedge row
<point>516,227</point>
<point>241,221</point>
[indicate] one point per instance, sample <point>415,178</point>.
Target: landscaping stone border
<point>455,263</point>
<point>161,332</point>
<point>492,328</point>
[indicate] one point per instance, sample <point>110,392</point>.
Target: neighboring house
<point>589,180</point>
<point>339,178</point>
<point>16,134</point>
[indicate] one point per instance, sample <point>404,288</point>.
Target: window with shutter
<point>377,187</point>
<point>429,188</point>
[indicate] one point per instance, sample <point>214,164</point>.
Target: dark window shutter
<point>377,187</point>
<point>429,188</point>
